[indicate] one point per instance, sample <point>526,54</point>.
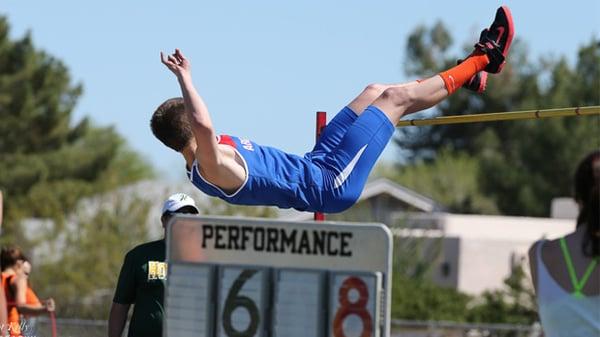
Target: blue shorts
<point>346,153</point>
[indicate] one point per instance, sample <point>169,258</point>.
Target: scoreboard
<point>241,277</point>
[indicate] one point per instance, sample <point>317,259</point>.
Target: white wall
<point>489,244</point>
<point>509,228</point>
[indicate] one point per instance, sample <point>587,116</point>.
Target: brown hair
<point>10,255</point>
<point>587,195</point>
<point>170,125</point>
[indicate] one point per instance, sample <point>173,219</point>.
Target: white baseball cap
<point>178,201</point>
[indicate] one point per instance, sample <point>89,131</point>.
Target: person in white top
<point>565,271</point>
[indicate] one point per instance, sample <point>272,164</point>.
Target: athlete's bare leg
<point>371,93</point>
<point>489,55</point>
<point>411,96</point>
<point>396,102</point>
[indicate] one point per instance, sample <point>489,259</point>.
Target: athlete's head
<point>587,195</point>
<point>170,125</point>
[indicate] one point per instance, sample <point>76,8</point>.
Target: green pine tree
<point>521,165</point>
<point>83,265</point>
<point>48,162</point>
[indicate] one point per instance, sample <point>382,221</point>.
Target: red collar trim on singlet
<point>226,140</point>
<point>221,139</point>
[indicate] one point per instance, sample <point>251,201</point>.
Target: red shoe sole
<point>511,34</point>
<point>482,82</point>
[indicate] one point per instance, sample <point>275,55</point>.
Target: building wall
<point>491,245</point>
<point>477,251</point>
<point>445,272</point>
<point>509,228</point>
<point>485,263</point>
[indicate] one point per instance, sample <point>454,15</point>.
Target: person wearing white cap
<point>142,277</point>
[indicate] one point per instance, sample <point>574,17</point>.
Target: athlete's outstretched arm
<point>206,152</point>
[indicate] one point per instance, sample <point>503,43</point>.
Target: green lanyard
<point>577,284</point>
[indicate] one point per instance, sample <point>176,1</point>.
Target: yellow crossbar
<point>503,116</point>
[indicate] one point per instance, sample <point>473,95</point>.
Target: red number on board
<point>358,308</point>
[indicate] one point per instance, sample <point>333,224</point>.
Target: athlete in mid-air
<point>331,177</point>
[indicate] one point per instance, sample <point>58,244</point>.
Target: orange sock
<point>455,77</point>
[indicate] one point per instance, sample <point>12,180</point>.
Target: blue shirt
<point>273,178</point>
<point>328,179</point>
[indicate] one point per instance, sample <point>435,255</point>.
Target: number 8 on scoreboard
<point>354,304</point>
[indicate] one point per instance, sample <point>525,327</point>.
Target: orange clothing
<point>455,77</point>
<point>31,297</point>
<point>13,321</point>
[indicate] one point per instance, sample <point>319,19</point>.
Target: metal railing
<point>70,327</point>
<point>409,328</point>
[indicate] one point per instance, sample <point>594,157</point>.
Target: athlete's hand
<point>50,305</point>
<point>177,63</point>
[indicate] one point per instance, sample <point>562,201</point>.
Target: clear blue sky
<point>264,67</point>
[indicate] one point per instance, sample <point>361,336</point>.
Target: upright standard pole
<point>321,123</point>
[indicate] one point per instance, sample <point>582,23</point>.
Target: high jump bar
<point>503,116</point>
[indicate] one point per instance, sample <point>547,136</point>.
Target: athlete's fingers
<point>180,54</point>
<point>173,60</point>
<point>164,59</point>
<point>178,58</point>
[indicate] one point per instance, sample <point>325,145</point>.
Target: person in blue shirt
<point>331,177</point>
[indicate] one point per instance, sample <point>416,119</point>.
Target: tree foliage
<point>216,206</point>
<point>522,165</point>
<point>514,303</point>
<point>419,299</point>
<point>83,265</point>
<point>451,180</point>
<point>48,162</point>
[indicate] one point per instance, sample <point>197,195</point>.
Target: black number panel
<point>242,302</point>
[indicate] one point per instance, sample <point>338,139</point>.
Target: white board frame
<point>370,246</point>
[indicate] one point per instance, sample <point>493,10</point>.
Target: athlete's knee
<point>399,96</point>
<point>375,89</point>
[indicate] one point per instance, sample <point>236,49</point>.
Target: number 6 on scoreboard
<point>355,300</point>
<point>242,302</point>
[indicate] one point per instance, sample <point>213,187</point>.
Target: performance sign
<point>234,277</point>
